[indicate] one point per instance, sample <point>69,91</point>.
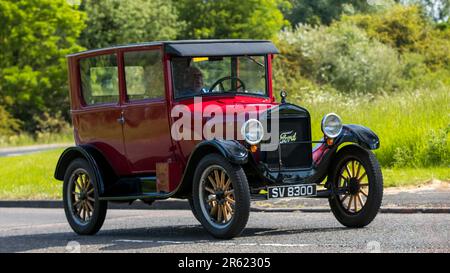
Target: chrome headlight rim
<point>323,125</point>
<point>260,128</point>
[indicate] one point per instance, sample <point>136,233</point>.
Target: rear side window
<point>144,75</point>
<point>99,79</point>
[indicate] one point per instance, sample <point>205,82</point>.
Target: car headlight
<point>331,125</point>
<point>252,131</point>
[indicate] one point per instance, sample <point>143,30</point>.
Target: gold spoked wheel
<point>82,196</point>
<point>217,196</point>
<point>353,186</point>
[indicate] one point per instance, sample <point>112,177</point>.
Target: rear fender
<point>95,159</point>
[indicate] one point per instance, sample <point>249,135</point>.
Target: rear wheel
<point>221,196</point>
<point>194,212</point>
<point>358,181</point>
<point>84,211</point>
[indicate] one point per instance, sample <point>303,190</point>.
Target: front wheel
<point>221,196</point>
<point>84,211</point>
<point>358,185</point>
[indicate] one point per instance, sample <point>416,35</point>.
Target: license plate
<point>291,191</point>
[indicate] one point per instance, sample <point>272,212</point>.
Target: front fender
<point>361,135</point>
<point>232,150</point>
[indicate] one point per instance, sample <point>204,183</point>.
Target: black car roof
<point>197,48</point>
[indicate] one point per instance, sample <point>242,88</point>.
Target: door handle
<point>121,120</point>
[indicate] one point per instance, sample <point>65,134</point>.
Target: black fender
<point>360,135</point>
<point>232,150</point>
<point>93,157</point>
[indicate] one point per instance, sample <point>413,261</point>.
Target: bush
<point>407,29</point>
<point>8,125</point>
<point>437,150</point>
<point>413,126</point>
<point>342,56</point>
<point>35,38</point>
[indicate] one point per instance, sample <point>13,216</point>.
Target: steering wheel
<point>220,83</point>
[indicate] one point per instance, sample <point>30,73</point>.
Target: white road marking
<point>212,243</point>
<point>287,245</point>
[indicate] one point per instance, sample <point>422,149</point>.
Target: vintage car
<point>147,119</point>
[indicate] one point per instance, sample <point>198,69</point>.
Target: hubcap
<point>216,196</point>
<point>81,196</point>
<point>353,186</point>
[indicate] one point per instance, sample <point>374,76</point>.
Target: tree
<point>112,22</point>
<point>341,55</point>
<point>439,10</point>
<point>35,37</point>
<point>316,12</point>
<point>409,30</point>
<point>256,19</point>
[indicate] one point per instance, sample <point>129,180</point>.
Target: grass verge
<point>27,139</point>
<point>414,127</point>
<point>31,176</point>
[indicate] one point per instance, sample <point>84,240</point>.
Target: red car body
<point>146,124</point>
<point>123,101</point>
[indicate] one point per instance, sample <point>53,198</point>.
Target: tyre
<point>221,196</point>
<point>84,211</point>
<point>358,182</point>
<point>194,212</point>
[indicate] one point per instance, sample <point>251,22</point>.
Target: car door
<point>97,121</point>
<point>145,111</point>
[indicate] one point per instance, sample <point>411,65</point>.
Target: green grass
<point>27,139</point>
<point>413,127</point>
<point>31,176</point>
<point>414,176</point>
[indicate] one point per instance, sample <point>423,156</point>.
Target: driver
<point>192,82</point>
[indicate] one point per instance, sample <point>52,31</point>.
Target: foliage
<point>27,139</point>
<point>256,19</point>
<point>407,29</point>
<point>400,27</point>
<point>413,126</point>
<point>35,37</point>
<point>112,22</point>
<point>317,12</point>
<point>439,10</point>
<point>8,124</point>
<point>342,56</point>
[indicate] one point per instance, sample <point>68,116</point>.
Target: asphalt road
<point>16,151</point>
<point>46,230</point>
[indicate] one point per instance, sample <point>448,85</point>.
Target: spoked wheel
<point>84,211</point>
<point>354,182</point>
<point>221,196</point>
<point>358,184</point>
<point>82,196</point>
<point>217,194</point>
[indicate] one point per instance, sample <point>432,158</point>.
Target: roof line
<point>157,43</point>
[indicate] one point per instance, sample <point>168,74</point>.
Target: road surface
<point>16,151</point>
<point>46,230</point>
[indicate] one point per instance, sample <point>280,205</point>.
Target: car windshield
<point>219,75</point>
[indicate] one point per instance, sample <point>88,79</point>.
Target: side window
<point>144,75</point>
<point>99,79</point>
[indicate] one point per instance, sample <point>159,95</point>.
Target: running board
<point>132,188</point>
